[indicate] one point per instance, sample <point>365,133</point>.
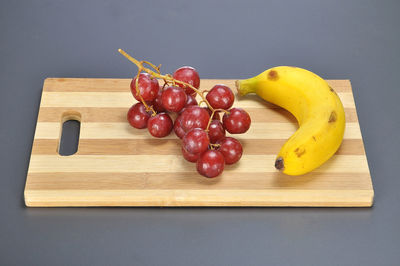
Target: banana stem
<point>244,86</point>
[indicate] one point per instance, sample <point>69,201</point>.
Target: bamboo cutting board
<point>117,165</point>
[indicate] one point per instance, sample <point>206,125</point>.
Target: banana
<point>317,108</point>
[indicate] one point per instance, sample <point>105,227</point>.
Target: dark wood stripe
<point>190,180</point>
<point>96,114</point>
<point>155,146</point>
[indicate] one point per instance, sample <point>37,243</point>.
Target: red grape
<point>195,141</point>
<point>220,97</point>
<point>157,103</point>
<point>210,164</point>
<point>237,121</point>
<point>190,156</point>
<point>178,127</point>
<point>137,116</point>
<point>231,149</point>
<point>216,131</point>
<point>173,99</point>
<point>160,125</point>
<point>194,117</point>
<point>189,75</point>
<point>215,116</point>
<point>191,100</point>
<point>148,87</point>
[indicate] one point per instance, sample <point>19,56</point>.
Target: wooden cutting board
<point>117,165</point>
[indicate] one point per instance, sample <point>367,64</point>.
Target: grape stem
<point>212,115</point>
<point>167,78</point>
<point>214,146</point>
<point>148,108</point>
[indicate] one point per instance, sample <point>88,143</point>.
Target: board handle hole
<point>69,136</point>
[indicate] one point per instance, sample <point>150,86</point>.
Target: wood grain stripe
<point>176,163</point>
<point>173,146</point>
<point>109,114</point>
<point>242,181</point>
<point>123,85</point>
<point>51,130</point>
<point>125,99</point>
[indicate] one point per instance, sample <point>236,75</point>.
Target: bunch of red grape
<point>203,134</point>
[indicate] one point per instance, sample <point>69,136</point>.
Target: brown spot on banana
<point>332,117</point>
<point>273,75</point>
<point>314,138</point>
<point>299,151</point>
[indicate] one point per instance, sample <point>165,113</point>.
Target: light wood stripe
<point>187,197</point>
<point>239,181</point>
<point>125,99</point>
<point>98,114</point>
<point>51,130</point>
<point>173,146</point>
<point>176,163</point>
<point>123,85</point>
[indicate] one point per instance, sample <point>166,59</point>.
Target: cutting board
<point>117,165</point>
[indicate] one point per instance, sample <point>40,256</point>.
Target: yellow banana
<point>316,107</point>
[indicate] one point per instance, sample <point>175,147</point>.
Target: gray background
<point>359,40</point>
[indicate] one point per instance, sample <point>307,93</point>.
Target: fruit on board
<point>220,97</point>
<point>173,99</point>
<point>237,121</point>
<point>216,131</point>
<point>160,125</point>
<point>231,149</point>
<point>196,141</point>
<point>211,163</point>
<point>148,87</point>
<point>317,108</point>
<point>199,127</point>
<point>138,116</point>
<point>188,75</point>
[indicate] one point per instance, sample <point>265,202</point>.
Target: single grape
<point>237,121</point>
<point>210,164</point>
<point>194,117</point>
<point>160,125</point>
<point>173,99</point>
<point>188,75</point>
<point>191,100</point>
<point>190,156</point>
<point>195,141</point>
<point>157,103</point>
<point>231,149</point>
<point>220,97</point>
<point>138,116</point>
<point>216,131</point>
<point>178,127</point>
<point>148,87</point>
<point>215,116</point>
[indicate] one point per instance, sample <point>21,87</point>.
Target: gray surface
<point>358,40</point>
